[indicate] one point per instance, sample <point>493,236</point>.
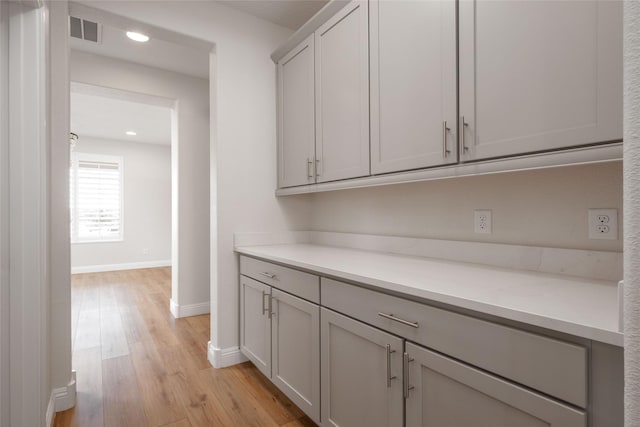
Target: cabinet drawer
<point>295,282</point>
<point>551,366</point>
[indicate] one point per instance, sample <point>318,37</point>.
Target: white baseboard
<point>188,310</point>
<point>118,267</point>
<point>61,399</point>
<point>65,397</point>
<point>223,357</point>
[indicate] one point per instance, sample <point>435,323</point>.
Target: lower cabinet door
<point>447,393</point>
<point>295,327</point>
<point>255,323</point>
<point>361,374</point>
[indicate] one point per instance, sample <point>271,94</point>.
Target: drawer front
<point>551,366</point>
<point>303,285</point>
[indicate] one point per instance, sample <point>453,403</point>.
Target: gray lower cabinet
<point>255,324</point>
<point>295,343</point>
<point>350,356</point>
<point>445,393</point>
<point>361,374</point>
<point>280,334</point>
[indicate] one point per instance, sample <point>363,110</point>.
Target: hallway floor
<point>138,366</point>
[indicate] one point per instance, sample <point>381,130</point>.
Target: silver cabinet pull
<point>389,377</point>
<point>397,319</point>
<point>271,313</point>
<point>309,167</point>
<point>405,369</point>
<point>463,125</point>
<point>269,275</point>
<point>445,129</point>
<point>264,309</point>
<point>317,167</point>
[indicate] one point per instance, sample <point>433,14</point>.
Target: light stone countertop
<point>576,306</point>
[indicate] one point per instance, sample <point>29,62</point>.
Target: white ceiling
<point>287,13</point>
<point>155,53</point>
<point>109,118</point>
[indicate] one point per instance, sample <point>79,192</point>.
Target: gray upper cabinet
<point>446,393</point>
<point>413,84</point>
<point>342,94</point>
<point>424,86</point>
<point>538,75</point>
<point>296,115</point>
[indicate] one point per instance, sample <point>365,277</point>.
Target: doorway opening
<point>139,197</point>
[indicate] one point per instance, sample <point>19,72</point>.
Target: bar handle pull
<point>445,129</point>
<point>389,377</point>
<point>390,316</point>
<point>264,308</point>
<point>463,125</point>
<point>405,365</point>
<point>309,168</point>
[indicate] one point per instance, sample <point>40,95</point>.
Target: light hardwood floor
<point>137,366</point>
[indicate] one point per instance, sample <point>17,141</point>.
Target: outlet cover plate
<point>603,224</point>
<point>482,221</point>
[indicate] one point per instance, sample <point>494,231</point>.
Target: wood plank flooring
<point>138,366</point>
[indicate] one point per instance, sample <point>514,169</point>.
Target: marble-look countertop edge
<point>585,331</point>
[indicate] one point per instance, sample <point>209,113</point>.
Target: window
<point>96,198</point>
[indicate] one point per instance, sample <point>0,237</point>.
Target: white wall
<point>30,290</point>
<point>632,210</point>
<point>190,157</point>
<point>146,206</point>
<point>540,208</point>
<point>243,137</point>
<point>59,244</point>
<point>4,216</point>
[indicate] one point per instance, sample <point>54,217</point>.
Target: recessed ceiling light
<point>139,37</point>
<point>131,133</point>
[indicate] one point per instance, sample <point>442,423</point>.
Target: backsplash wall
<point>539,208</point>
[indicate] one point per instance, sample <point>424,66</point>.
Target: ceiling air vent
<point>85,30</point>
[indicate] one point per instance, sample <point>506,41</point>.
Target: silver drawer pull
<point>269,275</point>
<point>397,319</point>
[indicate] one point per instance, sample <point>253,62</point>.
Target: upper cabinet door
<point>296,115</point>
<point>342,94</point>
<point>413,84</point>
<point>539,75</point>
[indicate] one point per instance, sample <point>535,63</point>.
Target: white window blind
<point>96,198</point>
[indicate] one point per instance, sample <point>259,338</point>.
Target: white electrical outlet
<point>482,221</point>
<point>145,251</point>
<point>603,224</point>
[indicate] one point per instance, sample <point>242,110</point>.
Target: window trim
<point>99,158</point>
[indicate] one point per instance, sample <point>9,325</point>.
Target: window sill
<point>82,242</point>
